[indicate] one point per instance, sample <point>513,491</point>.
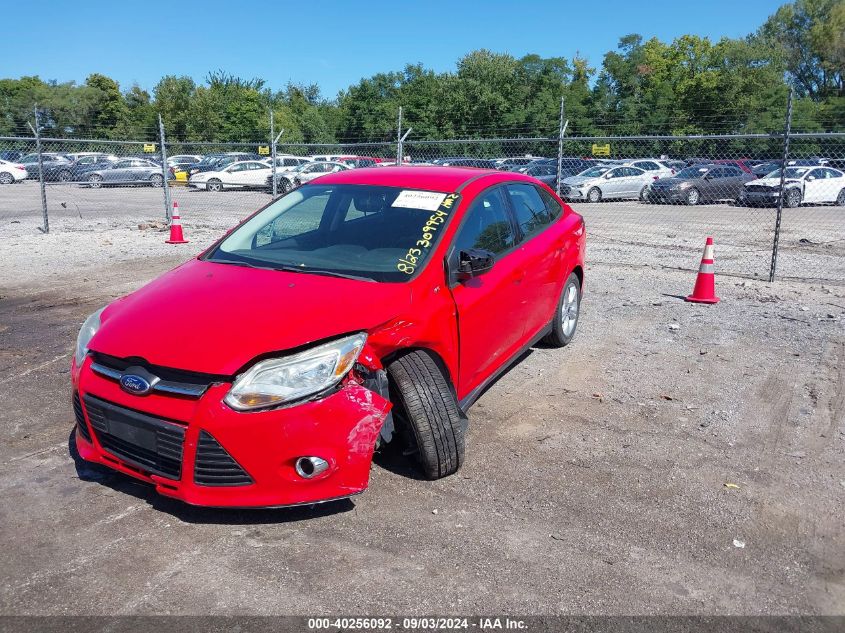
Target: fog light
<point>308,467</point>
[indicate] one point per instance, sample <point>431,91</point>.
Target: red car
<point>369,306</point>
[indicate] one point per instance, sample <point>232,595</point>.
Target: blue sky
<point>330,42</point>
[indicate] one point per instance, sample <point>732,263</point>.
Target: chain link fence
<point>647,200</point>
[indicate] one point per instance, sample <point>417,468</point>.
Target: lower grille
<point>150,443</point>
<point>80,417</point>
<point>213,466</point>
<point>758,188</point>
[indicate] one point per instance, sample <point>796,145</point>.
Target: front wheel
<point>792,198</point>
<point>285,185</point>
<point>65,176</point>
<point>594,194</point>
<point>427,414</point>
<point>693,197</point>
<point>214,185</point>
<point>565,321</point>
<point>95,181</point>
<point>6,178</point>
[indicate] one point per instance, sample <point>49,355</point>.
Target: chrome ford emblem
<point>135,385</point>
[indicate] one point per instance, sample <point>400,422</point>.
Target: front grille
<point>150,443</point>
<point>80,417</point>
<point>168,374</point>
<point>758,188</point>
<point>564,189</point>
<point>213,466</point>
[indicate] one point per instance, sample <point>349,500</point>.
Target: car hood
<point>216,318</point>
<point>771,182</point>
<point>579,180</point>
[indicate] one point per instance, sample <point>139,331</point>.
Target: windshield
<point>594,172</point>
<point>791,172</point>
<point>376,233</point>
<point>692,172</point>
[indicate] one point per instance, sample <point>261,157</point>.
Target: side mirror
<point>607,176</point>
<point>474,262</point>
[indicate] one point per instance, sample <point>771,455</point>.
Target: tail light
<point>655,178</point>
<point>20,166</point>
<point>673,172</point>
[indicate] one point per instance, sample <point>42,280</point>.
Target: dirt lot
<point>594,480</point>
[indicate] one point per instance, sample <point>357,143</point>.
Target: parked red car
<point>368,306</point>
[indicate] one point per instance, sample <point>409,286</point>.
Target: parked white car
<point>239,175</point>
<point>653,166</point>
<point>606,182</point>
<point>801,185</point>
<point>286,161</point>
<point>11,173</point>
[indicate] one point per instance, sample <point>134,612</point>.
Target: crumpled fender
<point>374,378</point>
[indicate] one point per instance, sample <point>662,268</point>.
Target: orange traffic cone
<point>176,236</point>
<point>705,283</point>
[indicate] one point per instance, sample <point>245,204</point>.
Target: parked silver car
<point>127,171</point>
<point>607,182</point>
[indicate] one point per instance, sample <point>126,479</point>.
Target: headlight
<point>86,333</point>
<point>279,380</point>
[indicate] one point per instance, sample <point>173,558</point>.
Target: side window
<point>552,206</point>
<point>816,173</point>
<point>528,208</point>
<point>615,173</point>
<point>487,225</point>
<point>123,164</point>
<point>633,171</point>
<point>716,173</point>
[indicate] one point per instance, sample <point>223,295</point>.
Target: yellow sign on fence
<point>149,148</point>
<point>263,150</point>
<point>601,150</point>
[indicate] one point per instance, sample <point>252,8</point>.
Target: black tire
<point>95,181</point>
<point>296,183</point>
<point>693,197</point>
<point>214,185</point>
<point>6,178</point>
<point>156,180</point>
<point>561,334</point>
<point>644,193</point>
<point>792,199</point>
<point>285,185</point>
<point>840,199</point>
<point>65,176</point>
<point>426,413</point>
<point>594,195</point>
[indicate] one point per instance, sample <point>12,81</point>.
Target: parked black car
<point>480,163</point>
<point>30,162</point>
<point>76,171</point>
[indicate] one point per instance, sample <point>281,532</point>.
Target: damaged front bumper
<point>204,453</point>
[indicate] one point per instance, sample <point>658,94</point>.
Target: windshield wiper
<point>325,273</point>
<point>247,264</point>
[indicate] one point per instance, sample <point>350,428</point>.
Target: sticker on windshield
<point>425,200</point>
<point>428,233</point>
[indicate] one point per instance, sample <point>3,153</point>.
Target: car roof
<point>425,177</point>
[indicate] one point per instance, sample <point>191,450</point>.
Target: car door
<point>534,210</point>
<point>491,306</point>
<point>734,179</point>
<point>814,185</point>
<point>614,184</point>
<point>710,183</point>
<point>256,174</point>
<point>235,175</point>
<point>119,171</point>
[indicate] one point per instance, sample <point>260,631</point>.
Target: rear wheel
<point>285,185</point>
<point>594,195</point>
<point>95,181</point>
<point>156,180</point>
<point>427,414</point>
<point>6,178</point>
<point>840,199</point>
<point>565,321</point>
<point>65,176</point>
<point>792,198</point>
<point>214,185</point>
<point>643,193</point>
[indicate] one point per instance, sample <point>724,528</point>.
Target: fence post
<point>560,148</point>
<point>37,131</point>
<point>399,139</point>
<point>164,172</point>
<point>786,132</point>
<point>273,152</point>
